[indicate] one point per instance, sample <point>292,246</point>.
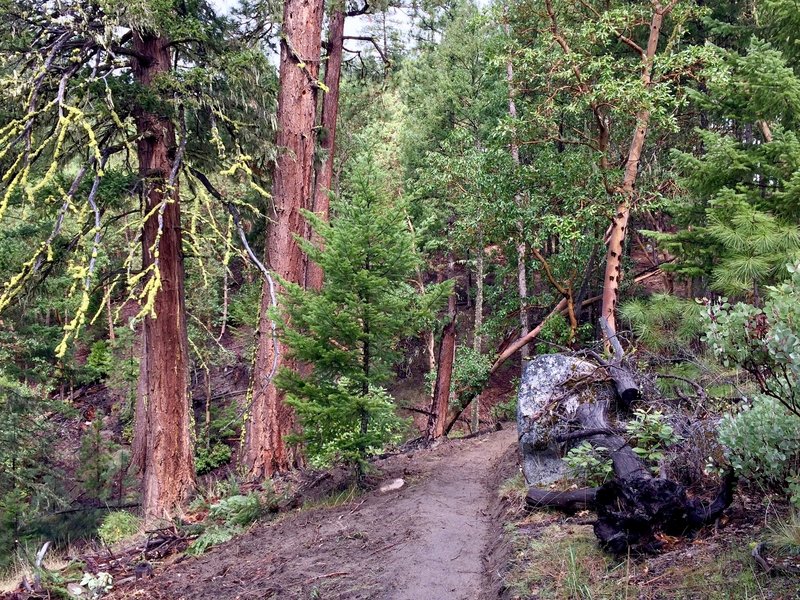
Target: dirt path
<point>424,541</point>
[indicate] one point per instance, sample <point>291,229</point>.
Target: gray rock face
<point>544,408</point>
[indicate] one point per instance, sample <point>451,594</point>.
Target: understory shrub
<point>650,434</point>
<point>763,442</point>
<point>589,463</point>
<point>505,411</point>
<point>117,526</point>
<point>763,439</point>
<point>207,459</point>
<point>228,518</point>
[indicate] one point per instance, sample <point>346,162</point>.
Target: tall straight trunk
<point>162,444</point>
<point>619,224</point>
<point>522,271</point>
<point>270,419</point>
<point>327,142</point>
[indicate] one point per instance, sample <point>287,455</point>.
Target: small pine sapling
<point>348,332</point>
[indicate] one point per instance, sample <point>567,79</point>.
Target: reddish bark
<point>266,451</point>
<point>438,421</point>
<point>327,141</point>
<point>619,223</point>
<point>162,444</point>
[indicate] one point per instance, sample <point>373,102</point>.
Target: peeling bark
<point>617,232</point>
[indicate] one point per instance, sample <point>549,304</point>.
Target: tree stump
<point>634,507</point>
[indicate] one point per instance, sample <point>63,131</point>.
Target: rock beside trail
<point>543,394</point>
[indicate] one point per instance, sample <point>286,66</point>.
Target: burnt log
<point>569,501</point>
<point>634,507</point>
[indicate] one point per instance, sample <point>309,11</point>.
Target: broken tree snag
<point>630,512</point>
<point>441,390</point>
<point>624,381</point>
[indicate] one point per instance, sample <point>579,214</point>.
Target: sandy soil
<point>427,540</point>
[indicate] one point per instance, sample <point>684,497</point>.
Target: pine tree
<point>738,215</point>
<point>349,330</point>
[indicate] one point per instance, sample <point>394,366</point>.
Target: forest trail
<point>427,540</point>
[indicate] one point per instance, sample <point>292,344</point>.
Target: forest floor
<point>432,538</point>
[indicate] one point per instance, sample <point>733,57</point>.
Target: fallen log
<point>634,507</point>
<point>569,501</point>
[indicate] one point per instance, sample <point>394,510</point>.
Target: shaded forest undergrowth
<point>457,527</point>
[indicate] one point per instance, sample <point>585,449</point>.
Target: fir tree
<point>349,330</point>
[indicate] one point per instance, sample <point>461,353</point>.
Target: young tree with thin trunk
<point>270,420</point>
<point>616,235</point>
<point>348,332</point>
<point>604,97</point>
<point>521,246</point>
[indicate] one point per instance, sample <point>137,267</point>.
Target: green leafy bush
<point>237,510</point>
<point>505,411</point>
<point>763,442</point>
<point>470,373</point>
<point>212,536</point>
<point>763,341</point>
<point>228,518</point>
<point>117,526</point>
<point>589,463</point>
<point>650,434</point>
<point>763,439</point>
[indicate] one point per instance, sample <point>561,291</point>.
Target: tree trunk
<point>619,223</point>
<point>265,450</point>
<point>477,338</point>
<point>327,141</point>
<point>441,391</point>
<point>522,272</point>
<point>162,444</point>
<point>440,405</point>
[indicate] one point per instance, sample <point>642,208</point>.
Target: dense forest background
<point>248,240</point>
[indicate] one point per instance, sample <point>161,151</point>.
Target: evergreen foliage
<point>26,476</point>
<point>664,323</point>
<point>456,178</point>
<point>349,331</point>
<point>738,217</point>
